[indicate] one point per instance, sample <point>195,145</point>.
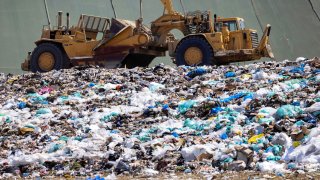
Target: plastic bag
<point>230,74</point>
<point>186,105</point>
<point>197,72</point>
<point>43,111</point>
<point>155,86</point>
<point>288,111</point>
<point>199,126</point>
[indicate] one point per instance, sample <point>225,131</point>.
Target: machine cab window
<point>232,25</point>
<point>242,25</point>
<point>93,26</point>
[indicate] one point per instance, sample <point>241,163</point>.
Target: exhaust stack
<point>215,23</point>
<point>60,19</point>
<point>68,22</point>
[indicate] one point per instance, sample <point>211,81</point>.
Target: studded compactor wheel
<point>194,51</point>
<point>47,57</point>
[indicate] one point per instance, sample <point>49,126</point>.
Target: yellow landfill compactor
<point>114,43</point>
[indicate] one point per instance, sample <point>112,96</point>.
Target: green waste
<point>108,117</point>
<point>55,147</point>
<point>196,125</point>
<point>30,126</point>
<point>64,138</point>
<point>265,120</point>
<point>185,106</point>
<point>144,138</point>
<point>8,120</point>
<point>43,111</point>
<point>227,160</point>
<point>229,114</point>
<point>277,149</point>
<point>288,111</point>
<point>273,158</point>
<point>78,138</point>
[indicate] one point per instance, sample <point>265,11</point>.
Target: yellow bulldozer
<point>114,43</point>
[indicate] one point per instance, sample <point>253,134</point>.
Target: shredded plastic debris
<point>91,122</point>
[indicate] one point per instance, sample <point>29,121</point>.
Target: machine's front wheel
<point>194,51</point>
<point>47,57</point>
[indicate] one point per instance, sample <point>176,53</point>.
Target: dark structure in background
<point>295,23</point>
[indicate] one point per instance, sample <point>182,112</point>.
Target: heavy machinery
<point>210,40</point>
<point>122,43</point>
<point>113,43</point>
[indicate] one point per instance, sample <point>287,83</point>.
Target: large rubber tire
<point>197,42</point>
<point>60,58</point>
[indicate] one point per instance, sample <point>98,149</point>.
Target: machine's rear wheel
<point>194,51</point>
<point>47,57</point>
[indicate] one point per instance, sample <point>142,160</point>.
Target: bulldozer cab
<point>93,25</point>
<point>233,24</point>
<point>235,35</point>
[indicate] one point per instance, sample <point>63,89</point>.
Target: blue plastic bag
<point>22,105</point>
<point>216,110</point>
<point>230,98</point>
<point>230,74</point>
<point>299,70</point>
<point>224,136</point>
<point>197,72</point>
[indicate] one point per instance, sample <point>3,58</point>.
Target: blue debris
<point>216,110</point>
<point>299,70</point>
<point>197,72</point>
<point>230,74</point>
<point>176,135</point>
<point>165,107</point>
<point>22,105</point>
<point>233,97</point>
<point>91,84</point>
<point>224,136</point>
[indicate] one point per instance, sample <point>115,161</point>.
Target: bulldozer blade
<point>105,60</point>
<point>269,52</point>
<point>264,47</point>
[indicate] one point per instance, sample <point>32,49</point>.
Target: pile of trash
<point>145,121</point>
